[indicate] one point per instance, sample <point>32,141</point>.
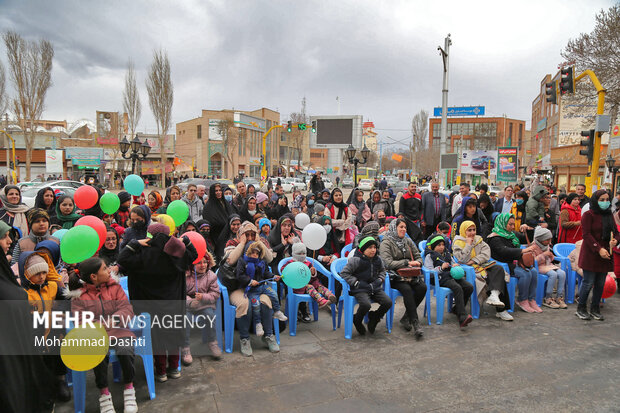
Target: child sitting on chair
<point>253,275</point>
<point>544,256</point>
<point>365,274</point>
<point>315,289</point>
<point>440,260</point>
<point>202,295</point>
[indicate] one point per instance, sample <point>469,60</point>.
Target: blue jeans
<point>592,279</point>
<point>254,295</point>
<point>560,277</point>
<point>528,279</point>
<point>205,318</point>
<point>266,314</point>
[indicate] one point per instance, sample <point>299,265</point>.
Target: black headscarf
<point>243,211</point>
<point>40,203</point>
<point>110,256</point>
<point>217,211</point>
<point>608,220</point>
<point>341,205</point>
<point>488,211</point>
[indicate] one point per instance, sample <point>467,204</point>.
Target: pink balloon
<point>85,197</point>
<point>96,224</point>
<point>198,242</point>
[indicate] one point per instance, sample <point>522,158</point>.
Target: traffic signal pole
<point>600,109</point>
<point>263,171</point>
<point>10,175</point>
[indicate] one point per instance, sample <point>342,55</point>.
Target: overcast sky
<point>379,57</point>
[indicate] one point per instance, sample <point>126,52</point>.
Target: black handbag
<point>226,275</point>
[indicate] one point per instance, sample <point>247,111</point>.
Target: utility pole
<point>445,55</point>
<point>6,128</point>
<point>381,156</point>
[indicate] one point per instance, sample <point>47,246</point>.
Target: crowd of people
<point>248,233</point>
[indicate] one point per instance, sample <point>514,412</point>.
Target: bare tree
<point>131,99</point>
<point>30,66</point>
<point>297,137</point>
<point>598,51</point>
<point>230,140</point>
<point>3,98</point>
<point>419,131</point>
<point>161,95</point>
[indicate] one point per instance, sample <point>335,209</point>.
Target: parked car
<point>495,189</point>
<point>483,162</point>
<point>365,184</point>
<point>251,181</point>
<point>287,187</point>
<point>506,167</point>
<point>328,183</point>
<point>347,182</point>
<point>227,183</point>
<point>296,184</point>
<point>29,194</point>
<point>196,181</point>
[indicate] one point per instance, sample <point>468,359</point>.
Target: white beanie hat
<point>298,252</point>
<point>34,265</point>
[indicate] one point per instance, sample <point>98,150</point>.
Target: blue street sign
<point>462,111</point>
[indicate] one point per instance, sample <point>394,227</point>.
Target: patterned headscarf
<point>500,228</point>
<point>392,234</point>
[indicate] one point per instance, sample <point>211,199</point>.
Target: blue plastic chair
<point>561,252</point>
<point>293,299</point>
<point>345,250</point>
<point>78,378</point>
<point>348,303</point>
<point>512,286</point>
<point>470,276</point>
<point>229,318</point>
<point>442,294</point>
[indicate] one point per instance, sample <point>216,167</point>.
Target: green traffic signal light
<point>314,126</point>
<point>289,128</point>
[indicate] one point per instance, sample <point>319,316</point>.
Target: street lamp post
<point>613,169</point>
<point>351,151</point>
<point>139,150</point>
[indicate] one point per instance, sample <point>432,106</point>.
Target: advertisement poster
<point>507,168</point>
<point>477,162</point>
<point>53,161</point>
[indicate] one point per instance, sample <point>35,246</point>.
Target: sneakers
<point>161,378</point>
<point>550,302</point>
<point>504,315</point>
<point>280,316</point>
<point>417,331</point>
<point>129,401</point>
<point>173,373</point>
<point>246,347</point>
<point>373,320</point>
<point>216,352</point>
<point>406,323</point>
<point>105,404</point>
<point>561,303</point>
<point>259,330</point>
<point>534,306</point>
<point>494,299</point>
<point>186,356</point>
<point>596,314</point>
<point>303,316</point>
<point>525,306</point>
<point>583,314</point>
<point>466,320</point>
<point>332,299</point>
<point>271,342</point>
<point>359,325</point>
<point>323,303</point>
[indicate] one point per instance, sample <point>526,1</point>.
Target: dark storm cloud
<point>380,58</point>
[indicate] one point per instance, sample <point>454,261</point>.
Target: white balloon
<point>301,220</point>
<point>314,236</point>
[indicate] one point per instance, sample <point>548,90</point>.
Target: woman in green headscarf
<point>65,212</point>
<point>506,247</point>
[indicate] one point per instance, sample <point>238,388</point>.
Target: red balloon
<point>198,242</point>
<point>610,287</point>
<point>96,224</point>
<point>85,197</point>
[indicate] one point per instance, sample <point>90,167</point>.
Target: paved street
<point>540,362</point>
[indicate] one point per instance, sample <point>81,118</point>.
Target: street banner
<point>397,157</point>
<point>507,165</point>
<point>478,162</point>
<point>53,161</point>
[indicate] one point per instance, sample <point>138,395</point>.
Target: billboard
<point>461,111</point>
<point>478,162</point>
<point>53,161</point>
<point>107,128</point>
<point>337,132</point>
<point>507,164</point>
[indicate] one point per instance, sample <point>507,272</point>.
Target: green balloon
<point>179,211</point>
<point>109,203</point>
<point>296,274</point>
<point>79,244</point>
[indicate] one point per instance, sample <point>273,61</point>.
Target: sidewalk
<point>539,362</point>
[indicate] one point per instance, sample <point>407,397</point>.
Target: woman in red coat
<point>598,227</point>
<point>570,220</point>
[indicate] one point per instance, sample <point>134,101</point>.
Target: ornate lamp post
<point>351,152</point>
<point>610,163</point>
<point>139,150</point>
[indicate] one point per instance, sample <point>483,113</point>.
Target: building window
<point>436,130</point>
<point>199,131</point>
<point>520,131</point>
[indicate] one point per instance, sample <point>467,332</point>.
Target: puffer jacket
<point>534,209</point>
<point>206,284</point>
<point>106,301</point>
<point>364,274</point>
<point>40,296</point>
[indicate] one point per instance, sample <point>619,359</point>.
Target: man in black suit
<point>434,209</point>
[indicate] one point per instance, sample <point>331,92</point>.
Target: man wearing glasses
<point>194,204</point>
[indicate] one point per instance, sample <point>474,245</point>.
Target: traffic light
<point>588,143</point>
<point>314,126</point>
<point>262,160</point>
<point>567,80</point>
<point>301,126</point>
<point>11,166</point>
<point>552,92</point>
<point>289,128</point>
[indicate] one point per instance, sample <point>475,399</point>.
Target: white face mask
<point>252,212</point>
<point>327,228</point>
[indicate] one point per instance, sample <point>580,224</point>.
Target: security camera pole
<point>445,55</point>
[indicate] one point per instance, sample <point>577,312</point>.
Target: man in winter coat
<point>535,208</point>
<point>194,204</point>
<point>410,206</point>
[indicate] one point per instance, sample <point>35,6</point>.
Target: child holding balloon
<point>450,275</point>
<point>202,295</point>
